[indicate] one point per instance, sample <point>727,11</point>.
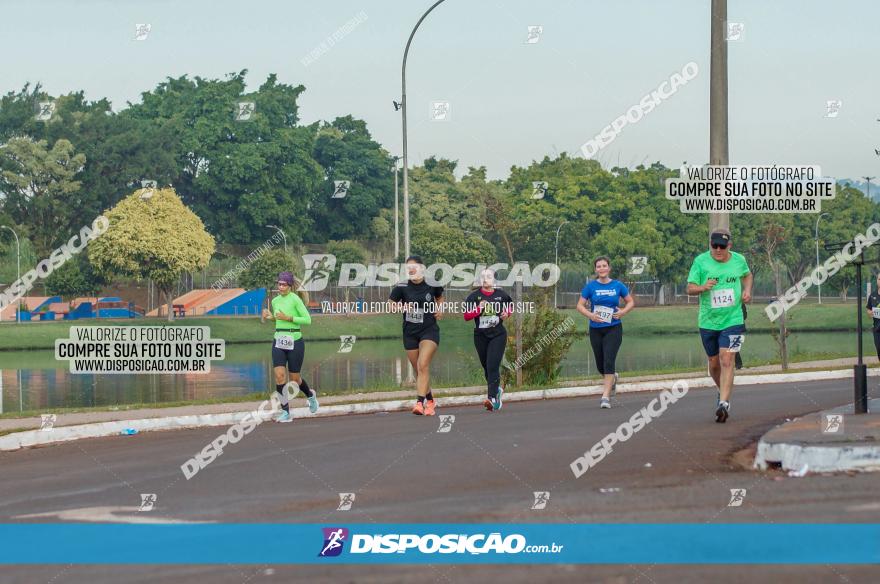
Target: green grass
<point>647,320</point>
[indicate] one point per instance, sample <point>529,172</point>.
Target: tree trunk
<point>169,302</point>
<point>783,332</point>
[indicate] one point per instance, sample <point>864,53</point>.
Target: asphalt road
<point>679,468</point>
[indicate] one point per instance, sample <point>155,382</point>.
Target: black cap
<point>720,237</point>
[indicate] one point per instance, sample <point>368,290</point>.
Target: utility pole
<point>718,145</point>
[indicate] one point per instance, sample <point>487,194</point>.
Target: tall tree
<point>39,188</point>
<point>153,235</point>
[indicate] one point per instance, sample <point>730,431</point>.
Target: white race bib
<point>284,342</point>
<point>604,312</point>
<point>875,312</point>
<point>415,315</point>
<point>488,321</point>
<point>722,298</point>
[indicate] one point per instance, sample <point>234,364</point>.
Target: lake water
<point>34,380</point>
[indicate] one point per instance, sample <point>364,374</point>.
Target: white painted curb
<point>839,458</point>
<point>29,438</point>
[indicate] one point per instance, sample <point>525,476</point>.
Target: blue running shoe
<point>313,402</point>
<point>283,417</point>
<point>496,403</point>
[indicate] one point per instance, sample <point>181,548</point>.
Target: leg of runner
<point>281,387</point>
<point>294,365</point>
<point>597,336</point>
<point>610,346</point>
<point>481,343</point>
<point>413,356</point>
<point>494,356</point>
<point>423,377</point>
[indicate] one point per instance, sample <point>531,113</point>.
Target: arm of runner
<point>747,281</point>
<point>475,311</point>
<point>301,314</point>
<point>438,303</point>
<point>506,308</point>
<point>629,304</point>
<point>694,288</point>
<point>582,308</point>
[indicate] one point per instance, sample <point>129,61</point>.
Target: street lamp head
<point>397,105</point>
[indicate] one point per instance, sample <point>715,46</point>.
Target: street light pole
<point>403,113</point>
<point>718,145</point>
<point>283,235</point>
<point>396,214</point>
<point>556,288</point>
<point>817,252</point>
<point>868,181</point>
<point>18,266</point>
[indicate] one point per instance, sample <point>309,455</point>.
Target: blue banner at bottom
<point>452,543</point>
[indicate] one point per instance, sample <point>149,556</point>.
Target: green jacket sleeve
<point>301,314</point>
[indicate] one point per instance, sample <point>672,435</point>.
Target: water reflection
<point>34,380</point>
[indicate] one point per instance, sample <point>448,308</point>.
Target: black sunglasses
<point>719,246</point>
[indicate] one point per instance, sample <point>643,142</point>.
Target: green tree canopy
<point>152,235</point>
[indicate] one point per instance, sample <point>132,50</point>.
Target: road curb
<point>30,438</point>
<point>799,457</point>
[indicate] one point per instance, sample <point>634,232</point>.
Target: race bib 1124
<point>722,298</point>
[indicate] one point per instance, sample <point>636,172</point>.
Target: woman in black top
<point>489,307</point>
<point>421,334</point>
<point>874,310</point>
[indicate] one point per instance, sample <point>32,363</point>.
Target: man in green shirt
<point>722,280</point>
<point>288,345</point>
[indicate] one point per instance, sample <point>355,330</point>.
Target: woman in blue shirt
<point>606,330</point>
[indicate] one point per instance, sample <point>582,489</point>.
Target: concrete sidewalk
<point>835,440</point>
<point>27,432</point>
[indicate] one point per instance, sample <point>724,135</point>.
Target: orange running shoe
<point>487,403</point>
<point>429,407</point>
<point>419,409</point>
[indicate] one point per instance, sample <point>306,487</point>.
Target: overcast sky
<point>511,102</point>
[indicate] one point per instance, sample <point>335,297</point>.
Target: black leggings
<point>606,342</point>
<point>876,343</point>
<point>491,352</point>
